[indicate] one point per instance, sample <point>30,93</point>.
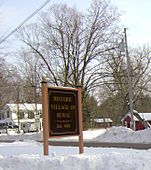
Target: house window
<point>2,116</point>
<point>21,115</point>
<point>30,115</point>
<point>40,113</point>
<point>7,114</point>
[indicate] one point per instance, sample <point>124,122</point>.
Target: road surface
<point>102,144</point>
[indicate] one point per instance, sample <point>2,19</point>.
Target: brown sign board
<point>63,112</point>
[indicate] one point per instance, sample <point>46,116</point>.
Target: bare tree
<point>141,77</point>
<point>29,68</point>
<point>71,45</point>
<point>6,84</point>
<point>117,85</point>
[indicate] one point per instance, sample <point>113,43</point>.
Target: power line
<point>26,20</point>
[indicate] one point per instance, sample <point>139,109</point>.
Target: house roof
<point>25,106</point>
<point>103,120</point>
<point>6,120</point>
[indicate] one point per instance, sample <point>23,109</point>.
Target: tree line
<point>69,47</point>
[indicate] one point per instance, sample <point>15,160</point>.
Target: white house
<point>21,114</point>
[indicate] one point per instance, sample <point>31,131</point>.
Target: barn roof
<point>145,116</point>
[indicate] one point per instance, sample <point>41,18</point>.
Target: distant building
<point>102,122</point>
<point>21,114</point>
<point>141,120</point>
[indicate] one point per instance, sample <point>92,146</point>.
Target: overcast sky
<point>137,19</point>
<point>137,16</point>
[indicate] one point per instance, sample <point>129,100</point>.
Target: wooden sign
<point>63,112</point>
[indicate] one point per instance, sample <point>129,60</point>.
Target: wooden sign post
<point>45,116</point>
<point>81,150</point>
<point>62,113</point>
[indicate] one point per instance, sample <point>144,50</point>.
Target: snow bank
<point>138,160</point>
<point>26,136</point>
<point>124,135</point>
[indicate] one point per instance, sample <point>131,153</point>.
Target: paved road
<point>98,144</point>
<point>95,144</point>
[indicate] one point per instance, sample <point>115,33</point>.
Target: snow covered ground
<point>28,154</point>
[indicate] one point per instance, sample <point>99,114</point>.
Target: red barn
<point>139,120</point>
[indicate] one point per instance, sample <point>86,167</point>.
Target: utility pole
<point>37,116</point>
<point>18,113</point>
<point>130,91</point>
